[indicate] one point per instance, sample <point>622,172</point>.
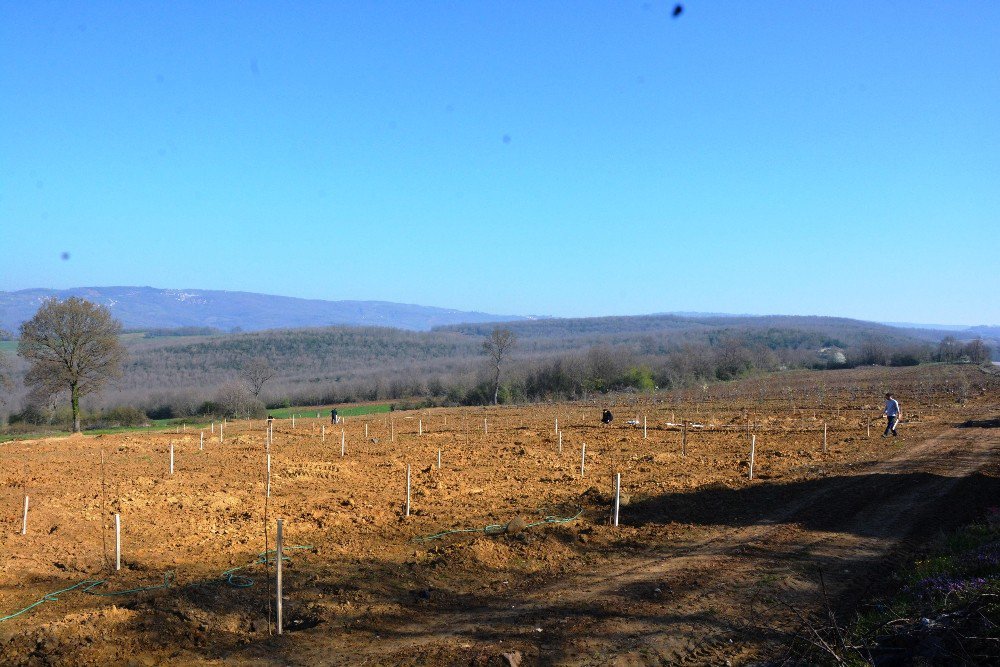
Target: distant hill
<point>154,308</point>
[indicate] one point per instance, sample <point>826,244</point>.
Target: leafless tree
<point>6,372</point>
<point>71,344</point>
<point>498,346</point>
<point>255,373</point>
<point>235,400</point>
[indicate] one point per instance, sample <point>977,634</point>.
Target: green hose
<point>229,576</point>
<point>496,528</point>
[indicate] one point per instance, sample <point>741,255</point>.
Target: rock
<point>513,658</point>
<point>516,526</point>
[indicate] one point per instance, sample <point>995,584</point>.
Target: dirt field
<point>707,566</point>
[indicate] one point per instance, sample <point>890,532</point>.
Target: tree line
<point>246,374</point>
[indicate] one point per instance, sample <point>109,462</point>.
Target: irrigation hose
<point>496,528</point>
<point>229,576</point>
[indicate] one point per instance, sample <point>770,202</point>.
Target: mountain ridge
<point>153,307</point>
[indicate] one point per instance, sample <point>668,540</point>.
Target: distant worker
<point>891,413</point>
<point>334,419</point>
<point>607,417</point>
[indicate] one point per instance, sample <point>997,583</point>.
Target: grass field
<point>199,423</point>
<point>307,412</point>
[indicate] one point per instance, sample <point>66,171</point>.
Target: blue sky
<point>560,158</point>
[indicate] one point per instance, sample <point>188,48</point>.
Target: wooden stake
<point>439,459</point>
<point>118,542</point>
<point>560,442</point>
<point>407,489</point>
<point>213,428</point>
<point>201,442</point>
<point>486,429</point>
<point>869,427</point>
<point>24,517</point>
<point>322,433</point>
<point>824,437</point>
<point>342,443</point>
<point>278,549</point>
<point>583,458</point>
<point>618,498</point>
<point>220,432</point>
<point>753,452</point>
<point>293,421</point>
<point>684,440</point>
<point>267,490</point>
<point>557,424</point>
<point>171,462</point>
<point>643,432</point>
<point>366,430</point>
<point>420,427</point>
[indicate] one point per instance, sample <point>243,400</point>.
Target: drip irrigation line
<point>496,528</point>
<point>229,576</point>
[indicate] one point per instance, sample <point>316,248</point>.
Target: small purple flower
<point>945,585</point>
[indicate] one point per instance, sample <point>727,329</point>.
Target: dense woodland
<point>177,373</point>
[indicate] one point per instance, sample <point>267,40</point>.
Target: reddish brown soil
<point>707,566</point>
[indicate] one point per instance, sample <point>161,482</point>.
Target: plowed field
<point>706,566</point>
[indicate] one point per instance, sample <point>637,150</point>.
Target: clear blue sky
<point>559,158</point>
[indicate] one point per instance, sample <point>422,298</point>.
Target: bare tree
<point>235,400</point>
<point>6,372</point>
<point>498,346</point>
<point>255,373</point>
<point>71,344</point>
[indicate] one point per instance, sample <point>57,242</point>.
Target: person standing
<point>891,413</point>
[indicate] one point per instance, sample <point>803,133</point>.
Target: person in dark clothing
<point>333,416</point>
<point>607,417</point>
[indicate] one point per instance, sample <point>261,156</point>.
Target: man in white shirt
<point>891,413</point>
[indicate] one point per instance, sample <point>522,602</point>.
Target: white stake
<point>322,433</point>
<point>220,432</point>
<point>583,458</point>
<point>486,429</point>
<point>869,427</point>
<point>753,452</point>
<point>278,550</point>
<point>24,518</point>
<point>201,442</point>
<point>560,442</point>
<point>267,491</point>
<point>557,424</point>
<point>293,421</point>
<point>824,438</point>
<point>118,542</point>
<point>407,489</point>
<point>420,427</point>
<point>618,496</point>
<point>439,459</point>
<point>366,430</point>
<point>171,458</point>
<point>643,431</point>
<point>392,431</point>
<point>342,441</point>
<point>213,428</point>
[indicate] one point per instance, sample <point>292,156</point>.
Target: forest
<point>201,372</point>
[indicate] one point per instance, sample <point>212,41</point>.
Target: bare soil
<point>707,566</point>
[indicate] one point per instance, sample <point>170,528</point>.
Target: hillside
<point>154,308</point>
<point>374,362</point>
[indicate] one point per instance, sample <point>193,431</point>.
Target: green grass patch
<point>947,601</point>
<point>309,411</point>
